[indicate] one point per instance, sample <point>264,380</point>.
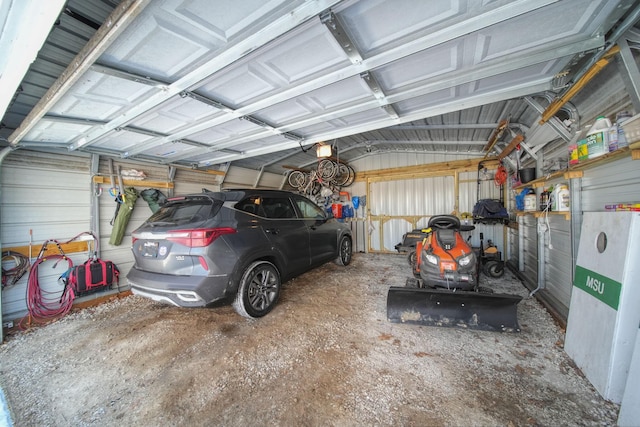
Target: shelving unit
<point>540,214</point>
<point>133,182</point>
<point>577,171</point>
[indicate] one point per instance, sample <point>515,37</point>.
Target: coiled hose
<point>11,275</point>
<point>501,176</point>
<point>42,304</point>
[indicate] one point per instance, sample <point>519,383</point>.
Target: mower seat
<point>446,238</point>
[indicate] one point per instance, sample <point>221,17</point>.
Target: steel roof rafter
<point>121,17</point>
<point>417,45</point>
<point>515,91</point>
<point>276,28</point>
<point>81,121</point>
<point>379,94</point>
<point>332,22</point>
<point>494,68</point>
<point>497,67</point>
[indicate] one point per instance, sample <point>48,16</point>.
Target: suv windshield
<point>185,211</point>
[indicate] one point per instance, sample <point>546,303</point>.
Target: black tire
<point>414,266</point>
<point>258,291</point>
<point>412,258</point>
<point>345,249</point>
<point>352,177</point>
<point>494,269</point>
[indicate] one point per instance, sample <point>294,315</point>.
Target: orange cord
<point>501,176</point>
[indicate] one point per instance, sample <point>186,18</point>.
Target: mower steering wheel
<point>444,222</point>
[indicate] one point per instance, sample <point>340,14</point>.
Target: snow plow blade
<point>464,309</point>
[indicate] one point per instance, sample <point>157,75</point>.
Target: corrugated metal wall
<point>191,181</point>
<point>393,202</point>
<point>528,227</point>
<point>397,206</point>
<point>609,183</point>
<point>247,178</point>
<point>558,272</point>
<point>53,194</point>
<point>48,195</point>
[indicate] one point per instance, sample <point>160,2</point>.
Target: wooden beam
<point>497,132</point>
<point>133,182</point>
<point>512,145</point>
<point>431,169</point>
<point>215,172</point>
<point>52,249</point>
<point>573,174</point>
<point>555,106</point>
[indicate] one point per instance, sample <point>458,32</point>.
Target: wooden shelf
<point>51,249</point>
<point>577,171</point>
<point>133,182</point>
<point>540,214</point>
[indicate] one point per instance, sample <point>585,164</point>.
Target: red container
<point>336,208</point>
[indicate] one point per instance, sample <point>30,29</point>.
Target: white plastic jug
<point>561,198</point>
<point>598,138</point>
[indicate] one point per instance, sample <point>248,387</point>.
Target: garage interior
<point>434,104</point>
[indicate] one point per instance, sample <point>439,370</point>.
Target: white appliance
<point>604,313</point>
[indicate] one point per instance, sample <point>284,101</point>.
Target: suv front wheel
<point>344,251</point>
<point>258,291</point>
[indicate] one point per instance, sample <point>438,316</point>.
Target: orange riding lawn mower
<point>445,289</point>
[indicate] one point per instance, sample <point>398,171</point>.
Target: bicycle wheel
<point>327,168</point>
<point>342,176</point>
<point>297,179</point>
<point>351,178</point>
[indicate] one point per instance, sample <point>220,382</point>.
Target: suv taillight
<point>199,237</point>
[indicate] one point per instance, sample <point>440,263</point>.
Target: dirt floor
<point>325,356</point>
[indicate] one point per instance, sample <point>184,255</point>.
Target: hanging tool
<point>121,186</point>
<point>116,192</point>
<point>113,191</point>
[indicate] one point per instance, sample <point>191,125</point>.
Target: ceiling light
<point>323,150</point>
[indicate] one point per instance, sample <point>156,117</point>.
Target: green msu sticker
<point>603,288</point>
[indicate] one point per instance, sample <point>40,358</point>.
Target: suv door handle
<point>272,230</point>
<point>312,227</point>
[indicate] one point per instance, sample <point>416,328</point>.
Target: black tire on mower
<point>412,258</point>
<point>494,269</point>
<point>416,272</point>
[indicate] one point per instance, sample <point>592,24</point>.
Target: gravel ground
<point>326,355</point>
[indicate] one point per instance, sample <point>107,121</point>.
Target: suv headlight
<point>465,260</point>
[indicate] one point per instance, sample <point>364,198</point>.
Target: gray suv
<point>235,246</point>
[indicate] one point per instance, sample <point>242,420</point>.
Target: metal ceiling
<point>256,83</point>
